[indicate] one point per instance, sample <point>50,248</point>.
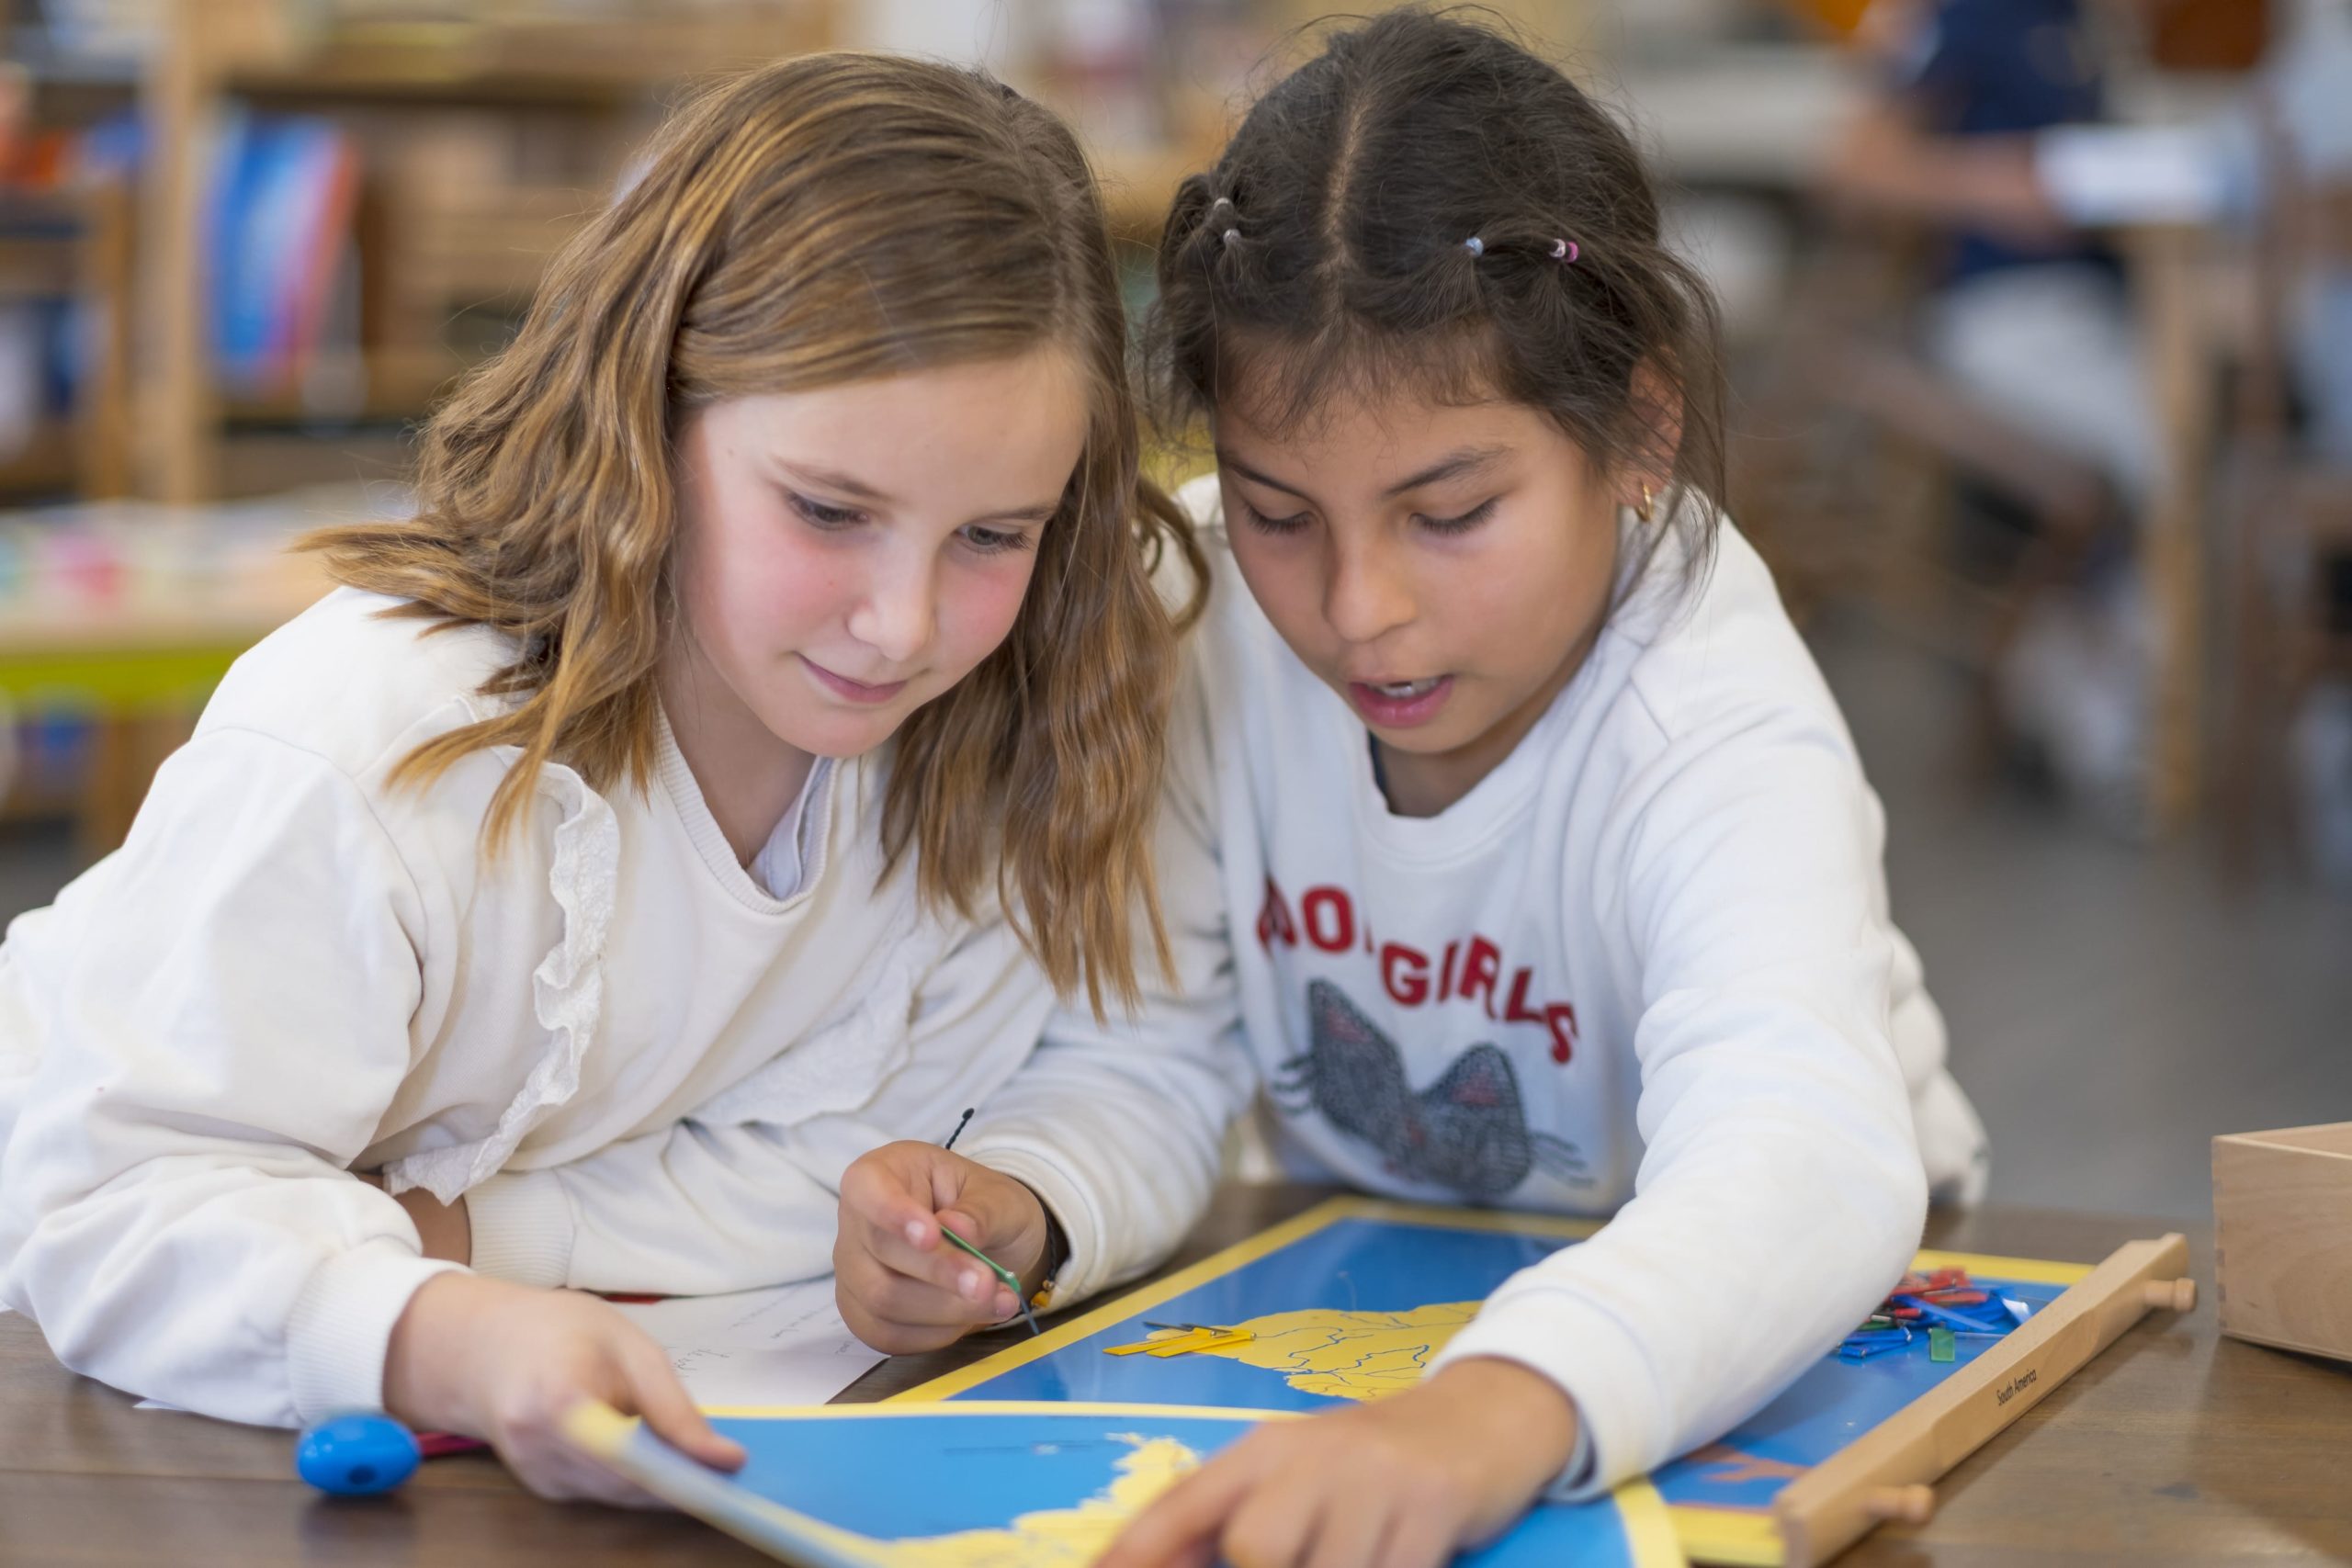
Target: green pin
<point>1005,1277</point>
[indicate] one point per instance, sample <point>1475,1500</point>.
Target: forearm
<point>687,1210</point>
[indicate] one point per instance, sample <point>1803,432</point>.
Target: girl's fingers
<point>943,1266</point>
<point>1349,1531</point>
<point>561,1474</point>
<point>900,1312</point>
<point>581,1479</point>
<point>994,1212</point>
<point>1272,1525</point>
<point>1417,1538</point>
<point>1182,1527</point>
<point>942,1263</point>
<point>902,1299</point>
<point>662,1400</point>
<point>889,1200</point>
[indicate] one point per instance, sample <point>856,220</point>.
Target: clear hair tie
<point>1565,250</point>
<point>1476,246</point>
<point>1224,204</point>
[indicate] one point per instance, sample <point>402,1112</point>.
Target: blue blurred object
<point>357,1455</point>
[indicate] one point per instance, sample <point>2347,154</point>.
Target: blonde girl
<point>757,727</point>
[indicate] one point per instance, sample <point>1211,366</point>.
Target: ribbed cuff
<point>1597,1362</point>
<point>1086,1270</point>
<point>342,1324</point>
<point>523,1228</point>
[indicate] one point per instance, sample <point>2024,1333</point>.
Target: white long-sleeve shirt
<point>1644,968</point>
<point>643,1071</point>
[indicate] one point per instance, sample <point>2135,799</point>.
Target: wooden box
<point>2282,1237</point>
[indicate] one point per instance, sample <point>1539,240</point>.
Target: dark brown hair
<point>1331,250</point>
<point>821,221</point>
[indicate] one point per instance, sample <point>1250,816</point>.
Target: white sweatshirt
<point>1644,968</point>
<point>291,971</point>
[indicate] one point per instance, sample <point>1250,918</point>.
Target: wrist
<point>1511,1398</point>
<point>1053,1248</point>
<point>425,1374</point>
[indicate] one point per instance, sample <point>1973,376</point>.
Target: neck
<point>1424,783</point>
<point>748,777</point>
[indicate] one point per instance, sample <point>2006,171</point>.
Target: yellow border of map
<point>1743,1538</point>
<point>1649,1528</point>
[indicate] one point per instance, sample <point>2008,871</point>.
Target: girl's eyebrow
<point>1453,465</point>
<point>827,479</point>
<point>1227,460</point>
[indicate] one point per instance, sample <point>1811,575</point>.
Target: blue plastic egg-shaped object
<point>354,1456</point>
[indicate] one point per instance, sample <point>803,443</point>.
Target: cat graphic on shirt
<point>1467,1132</point>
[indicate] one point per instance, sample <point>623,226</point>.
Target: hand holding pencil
<point>903,1281</point>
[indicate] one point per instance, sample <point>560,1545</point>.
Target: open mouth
<point>1400,705</point>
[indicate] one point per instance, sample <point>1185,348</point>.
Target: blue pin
<point>357,1455</point>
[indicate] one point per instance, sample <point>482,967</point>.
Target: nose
<point>898,612</point>
<point>1367,593</point>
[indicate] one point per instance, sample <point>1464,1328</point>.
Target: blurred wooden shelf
<point>214,53</point>
<point>48,463</point>
<point>71,249</point>
<point>345,73</point>
<point>399,386</point>
<point>529,63</point>
<point>49,66</point>
<point>36,268</point>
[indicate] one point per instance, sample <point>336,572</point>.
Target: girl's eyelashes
<point>822,516</point>
<point>1265,524</point>
<point>1297,520</point>
<point>1465,521</point>
<point>987,541</point>
<point>997,541</point>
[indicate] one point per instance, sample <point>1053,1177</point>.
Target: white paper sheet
<point>783,1346</point>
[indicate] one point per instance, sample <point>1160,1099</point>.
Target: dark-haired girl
<point>1536,861</point>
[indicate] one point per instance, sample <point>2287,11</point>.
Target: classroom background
<point>2040,411</point>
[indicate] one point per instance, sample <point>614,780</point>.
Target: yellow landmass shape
<point>1055,1538</point>
<point>1346,1355</point>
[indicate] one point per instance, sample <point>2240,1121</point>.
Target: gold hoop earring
<point>1643,511</point>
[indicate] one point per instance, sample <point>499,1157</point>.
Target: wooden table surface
<point>2176,1447</point>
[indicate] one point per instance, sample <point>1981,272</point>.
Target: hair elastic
<point>1564,250</point>
<point>1476,246</point>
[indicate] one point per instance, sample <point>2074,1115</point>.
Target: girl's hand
<point>1405,1483</point>
<point>504,1362</point>
<point>902,1286</point>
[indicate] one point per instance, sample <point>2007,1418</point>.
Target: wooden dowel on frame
<point>1886,1475</point>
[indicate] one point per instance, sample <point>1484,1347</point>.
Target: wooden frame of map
<point>978,1484</point>
<point>1349,1300</point>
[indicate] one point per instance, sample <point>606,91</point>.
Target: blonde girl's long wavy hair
<point>821,221</point>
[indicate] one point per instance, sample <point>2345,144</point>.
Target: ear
<point>1657,418</point>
